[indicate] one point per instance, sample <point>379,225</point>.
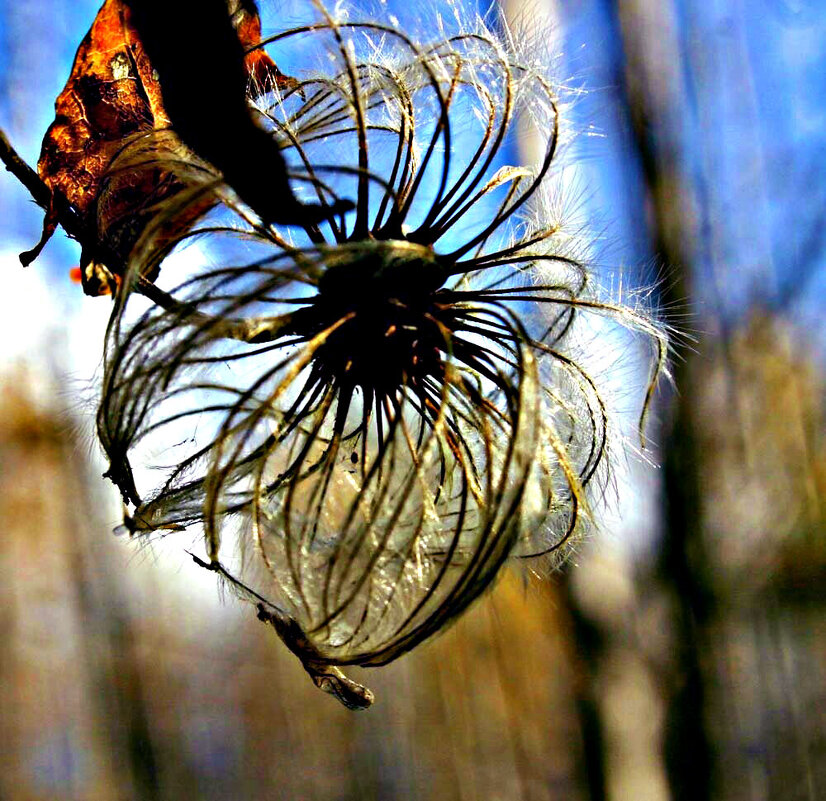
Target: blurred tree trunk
<point>75,722</point>
<point>682,571</point>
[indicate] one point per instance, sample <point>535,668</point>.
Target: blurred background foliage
<point>682,655</point>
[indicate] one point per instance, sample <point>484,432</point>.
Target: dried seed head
<point>384,408</point>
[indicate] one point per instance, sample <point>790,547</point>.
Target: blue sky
<point>764,124</point>
<point>748,134</point>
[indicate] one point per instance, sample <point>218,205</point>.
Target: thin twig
<point>25,174</point>
<point>54,204</point>
<point>57,208</point>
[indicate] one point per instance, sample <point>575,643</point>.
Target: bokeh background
<point>682,652</point>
